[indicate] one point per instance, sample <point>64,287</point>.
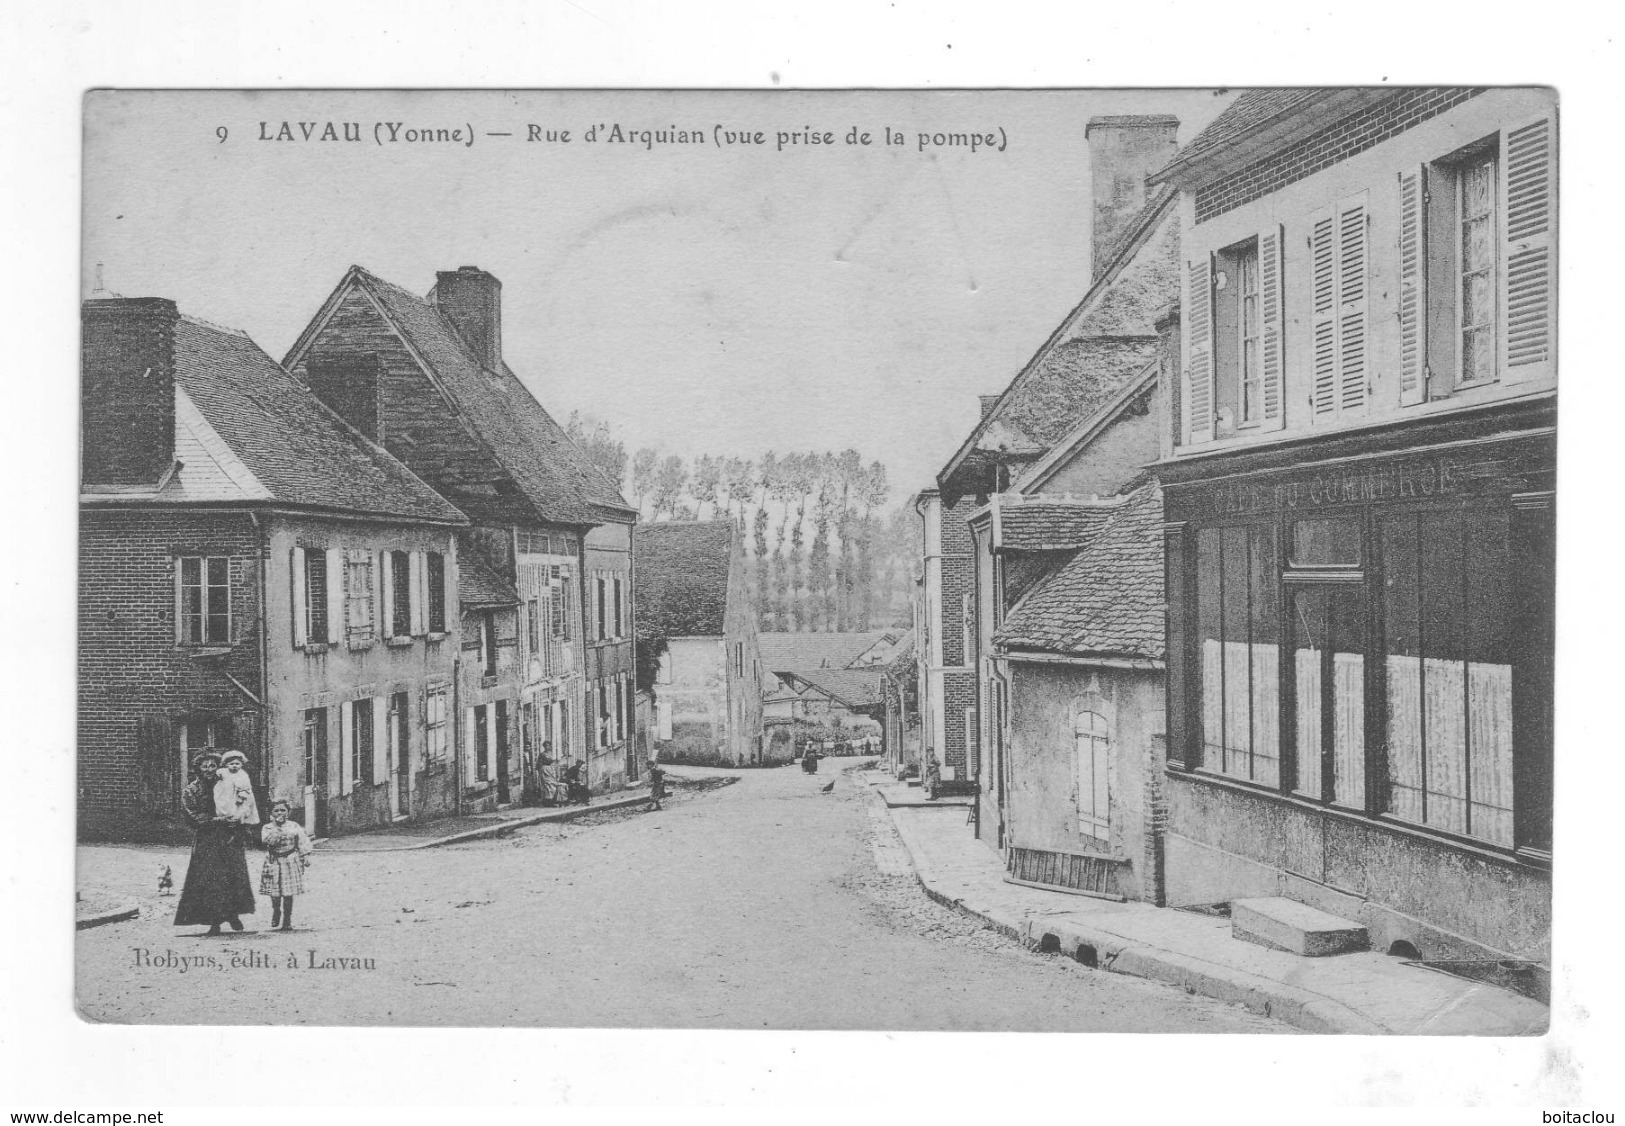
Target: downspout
<point>263,535</point>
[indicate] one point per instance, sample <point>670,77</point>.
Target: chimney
<point>988,403</point>
<point>1123,151</point>
<point>127,390</point>
<point>472,300</point>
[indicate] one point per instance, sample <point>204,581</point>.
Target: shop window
<point>1447,613</point>
<point>205,600</point>
<point>1325,543</point>
<point>1237,620</point>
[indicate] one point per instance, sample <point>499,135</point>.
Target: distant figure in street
<point>217,888</point>
<point>575,790</point>
<point>233,792</point>
<point>809,760</point>
<point>932,779</point>
<point>657,785</point>
<point>287,855</point>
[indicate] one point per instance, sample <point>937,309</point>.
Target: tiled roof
<point>292,444</point>
<point>1108,600</point>
<point>1251,110</point>
<point>680,585</point>
<point>802,652</point>
<point>856,688</point>
<point>478,584</point>
<point>1103,343</point>
<point>1050,525</point>
<point>555,476</point>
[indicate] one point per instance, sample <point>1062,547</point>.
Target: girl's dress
<point>286,846</point>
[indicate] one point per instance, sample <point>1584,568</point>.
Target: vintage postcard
<point>1050,560</point>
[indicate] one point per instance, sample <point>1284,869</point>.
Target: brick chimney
<point>127,390</point>
<point>472,300</point>
<point>1123,151</point>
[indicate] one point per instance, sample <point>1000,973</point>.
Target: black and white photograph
<point>590,557</point>
<point>725,560</point>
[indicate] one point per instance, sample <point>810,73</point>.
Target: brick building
<point>254,575</point>
<point>1359,474</point>
<point>545,670</point>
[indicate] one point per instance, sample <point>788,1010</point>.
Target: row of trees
<point>823,553</point>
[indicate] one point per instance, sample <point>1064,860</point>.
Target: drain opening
<point>1049,944</point>
<point>1087,956</point>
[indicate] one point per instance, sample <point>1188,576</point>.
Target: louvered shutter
<point>1272,390</point>
<point>379,561</point>
<point>416,569</point>
<point>346,742</point>
<point>296,584</point>
<point>1199,349</point>
<point>1353,262</point>
<point>1413,299</point>
<point>380,735</point>
<point>335,596</point>
<point>1529,323</point>
<point>386,598</point>
<point>1323,306</point>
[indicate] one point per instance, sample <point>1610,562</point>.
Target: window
<point>1091,743</point>
<point>1239,663</point>
<point>488,642</point>
<point>739,658</point>
<point>315,747</point>
<point>205,600</point>
<point>398,760</point>
<point>566,748</point>
<point>1234,358</point>
<point>361,741</point>
<point>599,590</point>
<point>1447,614</point>
<point>620,710</point>
<point>620,621</point>
<point>631,709</point>
<point>1328,671</point>
<point>358,598</point>
<point>968,610</point>
<point>1238,338</point>
<point>400,594</point>
<point>603,714</point>
<point>1476,265</point>
<point>437,592</point>
<point>500,721</point>
<point>533,626</point>
<point>556,589</point>
<point>434,726</point>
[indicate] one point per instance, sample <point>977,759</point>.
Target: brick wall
<point>1351,135</point>
<point>136,684</point>
<point>127,402</point>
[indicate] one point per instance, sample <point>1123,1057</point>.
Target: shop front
<point>1360,678</point>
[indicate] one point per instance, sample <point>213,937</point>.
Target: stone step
<point>1286,924</point>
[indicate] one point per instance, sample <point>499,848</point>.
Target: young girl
<point>233,792</point>
<point>287,855</point>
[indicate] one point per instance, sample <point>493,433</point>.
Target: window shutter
<point>380,733</point>
<point>1529,323</point>
<point>416,570</point>
<point>1199,350</point>
<point>346,738</point>
<point>296,582</point>
<point>1323,325</point>
<point>1273,391</point>
<point>1353,262</point>
<point>468,745</point>
<point>386,596</point>
<point>335,595</point>
<point>1413,299</point>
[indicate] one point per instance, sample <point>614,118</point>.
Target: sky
<point>700,299</point>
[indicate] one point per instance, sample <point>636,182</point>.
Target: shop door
<point>1327,689</point>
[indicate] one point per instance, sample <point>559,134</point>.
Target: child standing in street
<point>287,855</point>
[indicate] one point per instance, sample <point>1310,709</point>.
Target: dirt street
<point>764,904</point>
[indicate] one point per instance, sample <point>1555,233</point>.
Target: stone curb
<point>504,827</point>
<point>1299,1008</point>
<point>126,910</point>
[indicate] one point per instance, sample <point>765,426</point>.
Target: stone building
<point>1092,386</point>
<point>255,574</point>
<point>1359,486</point>
<point>545,668</point>
<point>694,606</point>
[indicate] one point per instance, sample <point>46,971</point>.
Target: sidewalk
<point>1366,993</point>
<point>412,835</point>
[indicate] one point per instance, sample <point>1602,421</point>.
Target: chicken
<point>827,788</point>
<point>166,881</point>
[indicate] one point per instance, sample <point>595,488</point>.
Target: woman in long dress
<point>217,888</point>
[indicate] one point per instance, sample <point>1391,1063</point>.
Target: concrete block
<point>1297,928</point>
